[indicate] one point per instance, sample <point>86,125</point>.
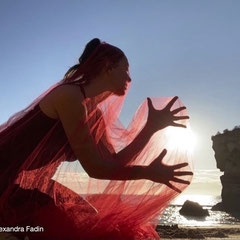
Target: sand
<point>7,236</point>
<point>214,232</point>
<point>178,232</point>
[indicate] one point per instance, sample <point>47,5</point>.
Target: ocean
<point>206,190</point>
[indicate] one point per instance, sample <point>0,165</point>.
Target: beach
<point>180,232</point>
<point>205,232</point>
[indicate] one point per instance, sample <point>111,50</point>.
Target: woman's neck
<point>97,89</point>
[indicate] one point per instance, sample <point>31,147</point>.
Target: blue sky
<point>188,48</point>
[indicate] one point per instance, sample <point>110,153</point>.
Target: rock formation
<point>193,209</point>
<point>227,154</point>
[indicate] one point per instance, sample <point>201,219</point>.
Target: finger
<point>180,165</point>
<point>183,173</point>
<point>180,117</point>
<point>179,180</point>
<point>170,104</point>
<point>150,105</point>
<point>177,110</point>
<point>173,187</point>
<point>162,154</point>
<point>178,125</point>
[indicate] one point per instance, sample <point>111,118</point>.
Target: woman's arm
<point>68,105</point>
<point>157,171</point>
<point>71,112</point>
<point>157,120</point>
<point>131,151</point>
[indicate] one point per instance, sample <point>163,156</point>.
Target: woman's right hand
<point>159,172</point>
<point>159,119</point>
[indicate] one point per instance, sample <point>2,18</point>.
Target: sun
<point>182,139</point>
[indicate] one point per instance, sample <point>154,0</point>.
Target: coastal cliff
<point>226,146</point>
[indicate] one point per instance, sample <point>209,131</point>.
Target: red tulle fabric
<point>43,183</point>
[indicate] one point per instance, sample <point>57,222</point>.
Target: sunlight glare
<point>182,139</point>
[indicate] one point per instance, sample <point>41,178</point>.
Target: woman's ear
<point>107,68</point>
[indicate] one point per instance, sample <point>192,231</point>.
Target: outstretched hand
<point>162,173</point>
<point>159,119</point>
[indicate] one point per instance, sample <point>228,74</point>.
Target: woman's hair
<point>94,58</point>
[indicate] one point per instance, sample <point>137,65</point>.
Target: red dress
<point>15,151</point>
<point>31,152</point>
<point>32,207</point>
<point>13,154</point>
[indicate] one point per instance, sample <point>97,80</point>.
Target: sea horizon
<point>205,188</point>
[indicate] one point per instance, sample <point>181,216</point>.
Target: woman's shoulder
<point>59,95</point>
<point>66,91</point>
<point>67,96</point>
<point>67,88</point>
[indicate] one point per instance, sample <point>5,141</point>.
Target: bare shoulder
<point>67,90</point>
<point>68,96</point>
<point>49,103</point>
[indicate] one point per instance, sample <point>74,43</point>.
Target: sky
<point>187,48</point>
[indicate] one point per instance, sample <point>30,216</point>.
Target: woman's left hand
<point>159,172</point>
<point>159,119</point>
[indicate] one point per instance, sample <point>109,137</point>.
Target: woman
<point>76,121</point>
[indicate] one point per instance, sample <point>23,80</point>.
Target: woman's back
<point>26,133</point>
<point>39,120</point>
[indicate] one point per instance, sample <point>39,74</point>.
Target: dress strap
<point>83,91</point>
<point>81,88</point>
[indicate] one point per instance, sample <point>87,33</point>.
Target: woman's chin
<point>120,92</point>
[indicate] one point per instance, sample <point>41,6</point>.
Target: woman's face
<point>118,77</point>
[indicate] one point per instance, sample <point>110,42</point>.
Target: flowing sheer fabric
<point>50,188</point>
